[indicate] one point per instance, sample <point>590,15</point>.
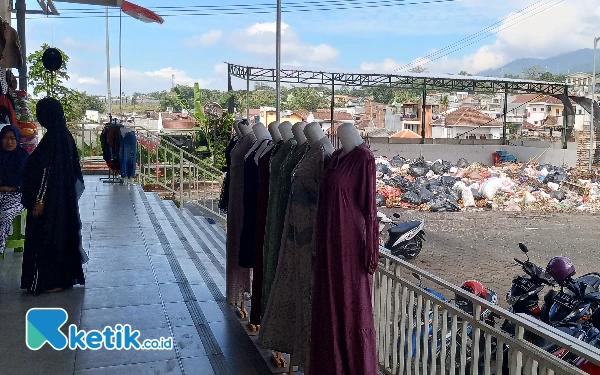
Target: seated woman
<point>12,162</point>
<point>52,257</point>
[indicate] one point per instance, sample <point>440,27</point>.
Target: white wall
<point>537,112</point>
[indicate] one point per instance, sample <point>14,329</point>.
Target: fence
<point>421,333</point>
<point>162,165</point>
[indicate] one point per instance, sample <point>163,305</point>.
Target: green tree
<point>382,94</point>
<point>445,101</point>
<point>93,103</point>
<point>532,72</point>
<point>404,96</point>
<point>305,98</point>
<point>511,76</point>
<point>419,69</point>
<point>51,84</point>
<point>463,73</point>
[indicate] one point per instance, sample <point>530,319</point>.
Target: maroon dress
<point>347,254</point>
<point>261,222</point>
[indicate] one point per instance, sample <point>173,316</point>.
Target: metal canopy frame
<point>411,81</point>
<point>407,81</point>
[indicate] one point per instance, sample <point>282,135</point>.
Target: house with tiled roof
<point>467,123</point>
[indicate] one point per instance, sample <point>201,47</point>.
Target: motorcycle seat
<point>405,227</point>
<point>592,280</point>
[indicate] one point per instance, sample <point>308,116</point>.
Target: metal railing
<point>420,333</point>
<point>162,166</point>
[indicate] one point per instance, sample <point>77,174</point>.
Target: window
<point>535,122</point>
<point>579,111</point>
<point>542,109</point>
<point>534,109</point>
<point>558,112</point>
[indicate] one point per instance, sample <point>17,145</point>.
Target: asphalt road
<point>482,245</point>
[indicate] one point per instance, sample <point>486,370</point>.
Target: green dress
<point>283,163</point>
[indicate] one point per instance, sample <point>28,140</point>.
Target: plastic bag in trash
<point>462,163</point>
<point>382,168</point>
<point>440,168</point>
<point>411,197</point>
<point>421,182</point>
<point>397,161</point>
<point>425,195</point>
<point>467,197</point>
<point>443,203</point>
<point>380,200</point>
<point>448,181</point>
<point>556,176</point>
<point>437,189</point>
<point>476,195</point>
<point>490,188</point>
<point>416,170</point>
<point>558,195</point>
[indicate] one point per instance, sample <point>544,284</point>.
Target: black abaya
<point>52,257</point>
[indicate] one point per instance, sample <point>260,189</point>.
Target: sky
<point>445,36</point>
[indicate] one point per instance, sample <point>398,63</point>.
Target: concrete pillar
<point>21,9</point>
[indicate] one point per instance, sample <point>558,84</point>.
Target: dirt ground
<point>482,245</point>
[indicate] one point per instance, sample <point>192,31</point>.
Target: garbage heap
<point>443,186</point>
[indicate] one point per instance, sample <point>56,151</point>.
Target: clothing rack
<point>113,172</point>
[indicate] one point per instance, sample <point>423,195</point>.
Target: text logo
<point>44,326</point>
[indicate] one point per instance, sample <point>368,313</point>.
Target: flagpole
<point>109,98</point>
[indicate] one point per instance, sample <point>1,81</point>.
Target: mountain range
<point>570,62</point>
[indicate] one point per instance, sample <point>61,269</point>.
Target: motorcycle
<point>576,301</point>
<point>523,296</point>
<point>404,238</point>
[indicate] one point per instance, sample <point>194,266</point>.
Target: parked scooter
<point>524,294</point>
<point>578,298</point>
<point>405,238</point>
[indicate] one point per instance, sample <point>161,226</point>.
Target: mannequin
<point>236,127</point>
<point>274,130</point>
<point>349,136</point>
<point>285,128</point>
<point>125,129</point>
<point>262,134</point>
<point>314,134</point>
<point>298,130</point>
<point>244,129</point>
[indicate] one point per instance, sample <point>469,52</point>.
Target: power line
<point>372,4</point>
<point>493,33</point>
<point>470,37</point>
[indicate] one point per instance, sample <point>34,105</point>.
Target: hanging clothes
<point>346,256</point>
<point>261,220</point>
<point>110,140</point>
<point>237,278</point>
<point>127,154</point>
<point>275,217</point>
<point>274,232</point>
<point>287,317</point>
<point>248,236</point>
<point>224,198</point>
<point>7,104</point>
<point>11,53</point>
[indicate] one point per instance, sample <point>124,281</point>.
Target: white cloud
<point>220,68</point>
<point>556,29</point>
<point>207,39</point>
<point>140,81</point>
<point>259,39</point>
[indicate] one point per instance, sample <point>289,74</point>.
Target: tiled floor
<point>152,266</point>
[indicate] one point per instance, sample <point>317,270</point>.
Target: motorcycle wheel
<point>413,248</point>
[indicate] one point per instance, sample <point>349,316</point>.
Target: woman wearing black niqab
<point>52,260</point>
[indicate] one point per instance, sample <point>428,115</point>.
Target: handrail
<point>402,310</point>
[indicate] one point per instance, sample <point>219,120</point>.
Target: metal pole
<point>120,62</point>
<point>592,109</point>
<point>248,94</point>
<point>423,114</point>
<point>333,130</point>
<point>565,121</point>
<point>505,111</point>
<point>278,63</point>
<point>181,179</point>
<point>21,9</point>
<point>108,65</point>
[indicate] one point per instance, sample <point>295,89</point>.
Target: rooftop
<point>467,116</point>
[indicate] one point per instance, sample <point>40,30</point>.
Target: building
<point>408,116</point>
<point>579,83</point>
<point>467,123</point>
<point>269,114</point>
<point>323,116</point>
<point>92,116</point>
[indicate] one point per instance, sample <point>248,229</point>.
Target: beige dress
<point>238,278</point>
<point>11,53</point>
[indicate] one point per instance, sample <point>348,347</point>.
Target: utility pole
<point>172,82</point>
<point>278,63</point>
<point>109,95</point>
<point>21,10</point>
<point>592,107</point>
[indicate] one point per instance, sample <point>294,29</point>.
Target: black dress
<point>248,236</point>
<point>224,198</point>
<point>52,256</point>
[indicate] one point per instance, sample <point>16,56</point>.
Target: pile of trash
<point>443,186</point>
